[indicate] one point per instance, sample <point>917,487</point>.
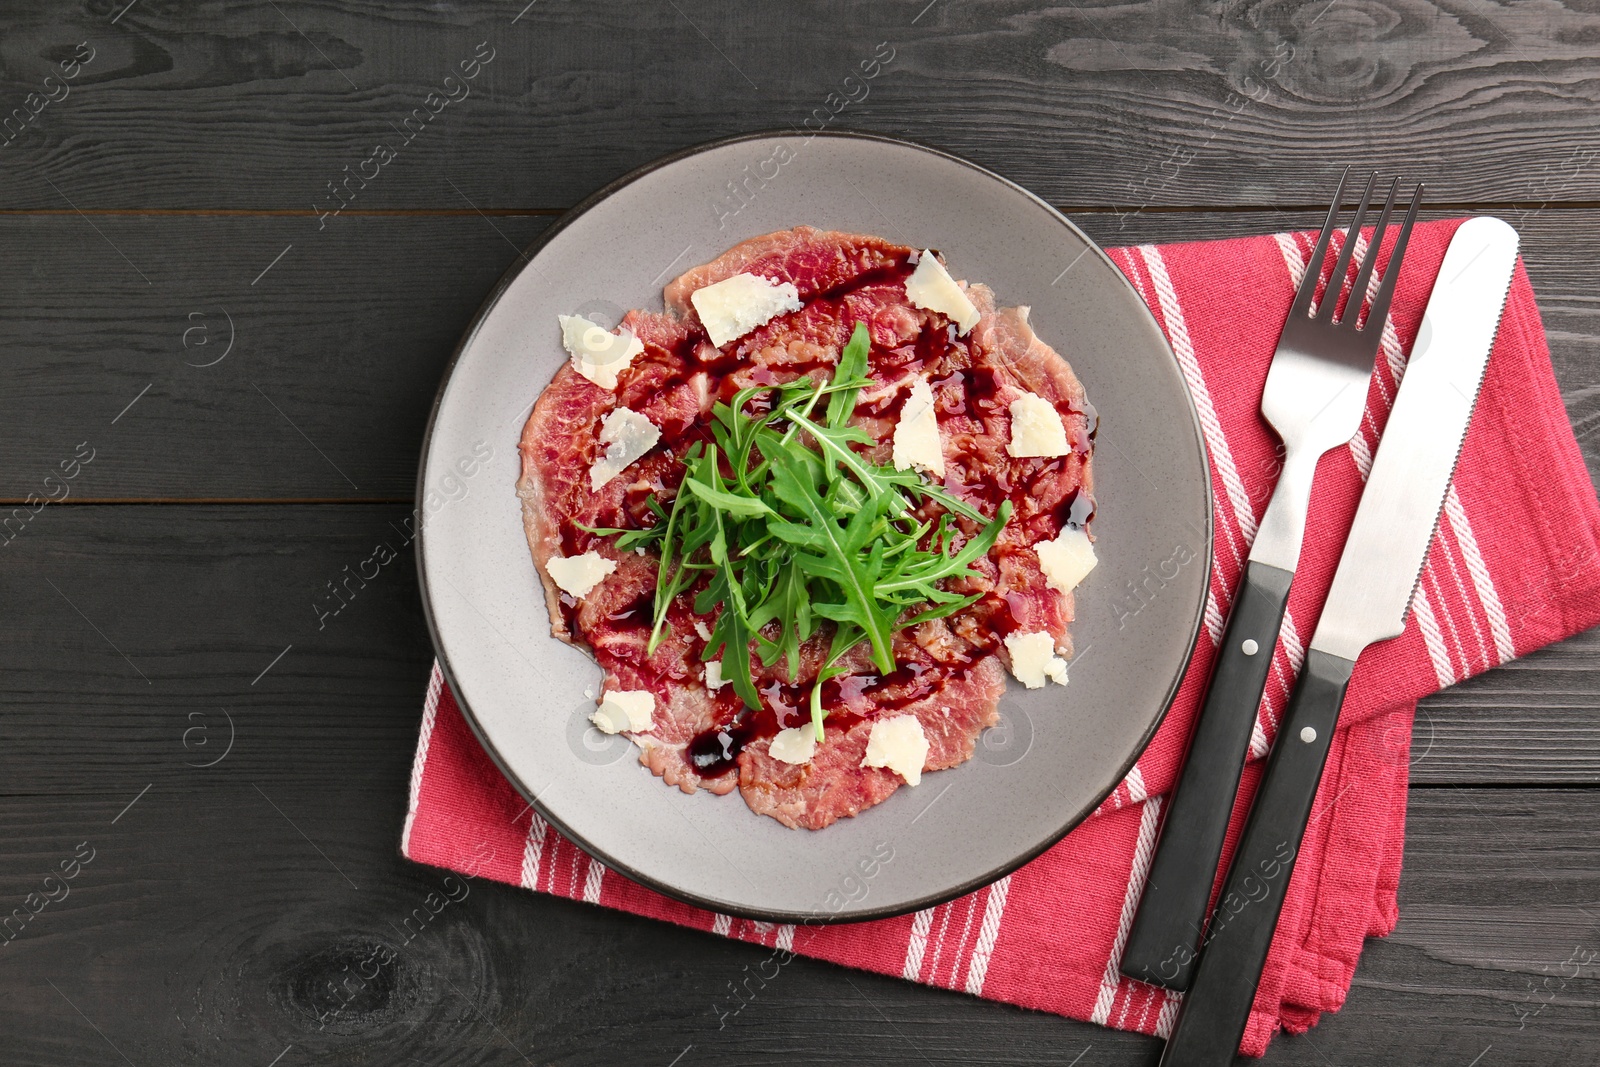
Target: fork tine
<point>1308,283</point>
<point>1380,303</point>
<point>1330,297</point>
<point>1358,292</point>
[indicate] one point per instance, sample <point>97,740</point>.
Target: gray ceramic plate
<point>1058,752</point>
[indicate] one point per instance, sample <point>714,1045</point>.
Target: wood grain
<point>220,105</point>
<point>207,928</point>
<point>146,644</point>
<point>167,614</point>
<point>339,349</point>
<point>1517,723</point>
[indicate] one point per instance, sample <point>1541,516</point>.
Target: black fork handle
<point>1164,941</point>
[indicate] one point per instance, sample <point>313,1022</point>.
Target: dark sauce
<point>982,391</point>
<point>642,610</point>
<point>931,345</point>
<point>1079,508</point>
<point>886,693</point>
<point>784,704</point>
<point>900,688</point>
<point>715,752</point>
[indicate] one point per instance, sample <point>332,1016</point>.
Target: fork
<point>1315,393</point>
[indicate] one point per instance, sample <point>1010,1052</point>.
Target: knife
<point>1372,591</point>
<point>1315,393</point>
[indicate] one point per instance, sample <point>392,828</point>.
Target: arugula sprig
<point>781,519</point>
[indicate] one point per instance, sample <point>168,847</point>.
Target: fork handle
<point>1163,943</point>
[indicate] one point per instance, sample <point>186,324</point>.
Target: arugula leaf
<point>732,503</point>
<point>835,445</point>
<point>838,561</point>
<point>941,566</point>
<point>781,525</point>
<point>852,364</point>
<point>628,540</point>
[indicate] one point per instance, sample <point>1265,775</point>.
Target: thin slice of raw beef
<point>950,673</point>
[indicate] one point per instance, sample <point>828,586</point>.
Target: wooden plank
<point>1498,884</point>
<point>1517,722</point>
<point>219,106</point>
<point>336,351</point>
<point>159,640</point>
<point>141,632</point>
<point>207,925</point>
<point>340,346</point>
<point>219,918</point>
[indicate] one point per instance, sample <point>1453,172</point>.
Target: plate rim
<point>1076,819</point>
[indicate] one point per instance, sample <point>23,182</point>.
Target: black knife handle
<point>1162,945</point>
<point>1217,1008</point>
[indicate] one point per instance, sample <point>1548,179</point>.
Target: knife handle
<point>1217,1008</point>
<point>1162,944</point>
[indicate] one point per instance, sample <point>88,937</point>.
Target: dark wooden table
<point>238,380</point>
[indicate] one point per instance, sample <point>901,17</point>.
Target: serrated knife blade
<point>1371,594</point>
<point>1388,542</point>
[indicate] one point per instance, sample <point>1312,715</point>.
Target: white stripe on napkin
<point>591,883</point>
<point>1488,596</point>
<point>533,850</point>
<point>1241,510</point>
<point>912,970</point>
<point>430,711</point>
<point>1111,981</point>
<point>1437,654</point>
<point>993,911</point>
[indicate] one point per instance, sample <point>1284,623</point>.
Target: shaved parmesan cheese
<point>931,288</point>
<point>916,435</point>
<point>628,710</point>
<point>733,307</point>
<point>702,629</point>
<point>714,678</point>
<point>597,353</point>
<point>579,574</point>
<point>899,745</point>
<point>1034,659</point>
<point>797,744</point>
<point>1068,559</point>
<point>627,436</point>
<point>1036,428</point>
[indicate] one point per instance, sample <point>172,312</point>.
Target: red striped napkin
<point>1516,565</point>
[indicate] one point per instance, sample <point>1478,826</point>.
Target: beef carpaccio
<point>950,672</point>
